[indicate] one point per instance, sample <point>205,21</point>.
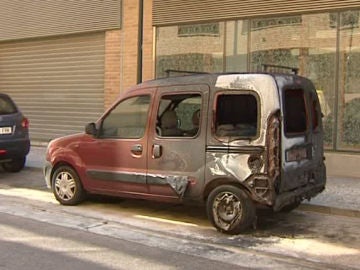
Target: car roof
<point>206,78</point>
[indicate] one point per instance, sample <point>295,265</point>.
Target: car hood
<point>68,140</point>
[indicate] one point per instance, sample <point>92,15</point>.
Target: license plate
<point>296,154</point>
<point>5,130</point>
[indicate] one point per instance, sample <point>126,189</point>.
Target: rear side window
<point>295,112</point>
<point>6,105</point>
<point>236,115</point>
<point>179,115</point>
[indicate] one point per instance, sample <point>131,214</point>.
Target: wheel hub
<point>65,186</point>
<point>227,209</point>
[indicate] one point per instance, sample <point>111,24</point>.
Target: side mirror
<point>91,129</point>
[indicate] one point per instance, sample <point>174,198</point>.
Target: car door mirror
<point>91,129</point>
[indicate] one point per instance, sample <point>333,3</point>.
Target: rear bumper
<point>307,192</point>
<point>14,149</point>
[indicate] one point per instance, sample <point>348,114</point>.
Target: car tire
<point>15,165</point>
<point>66,186</point>
<point>230,209</point>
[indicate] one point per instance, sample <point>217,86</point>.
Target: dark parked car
<point>234,142</point>
<point>14,135</point>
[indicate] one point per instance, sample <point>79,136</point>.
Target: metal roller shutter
<point>57,82</point>
<point>173,12</point>
<point>38,18</point>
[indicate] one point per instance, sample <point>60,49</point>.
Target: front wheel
<point>230,209</point>
<point>66,186</point>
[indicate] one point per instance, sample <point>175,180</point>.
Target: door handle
<point>137,149</point>
<point>156,151</point>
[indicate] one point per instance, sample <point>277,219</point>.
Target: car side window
<point>127,120</point>
<point>179,115</point>
<point>236,116</point>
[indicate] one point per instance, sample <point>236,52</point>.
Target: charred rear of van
<point>267,143</point>
<point>303,173</point>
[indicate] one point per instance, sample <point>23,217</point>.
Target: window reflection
<point>190,48</point>
<point>349,92</point>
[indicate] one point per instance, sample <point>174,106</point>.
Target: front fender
<point>61,156</point>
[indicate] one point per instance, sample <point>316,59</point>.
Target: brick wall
<point>129,44</point>
<point>112,67</point>
<point>148,54</point>
<point>122,48</point>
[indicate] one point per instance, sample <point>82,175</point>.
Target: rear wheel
<point>230,209</point>
<point>15,165</point>
<point>66,186</point>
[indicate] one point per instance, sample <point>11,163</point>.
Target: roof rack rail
<point>183,72</point>
<point>266,67</point>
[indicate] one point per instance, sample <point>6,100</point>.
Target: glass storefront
<point>323,47</point>
<point>348,125</point>
<point>306,42</point>
<point>197,48</point>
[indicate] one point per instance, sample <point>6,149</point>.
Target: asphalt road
<point>177,237</point>
<point>30,244</point>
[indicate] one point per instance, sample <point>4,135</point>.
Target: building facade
<point>64,62</point>
<point>321,39</point>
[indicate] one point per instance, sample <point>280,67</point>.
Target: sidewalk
<point>341,196</point>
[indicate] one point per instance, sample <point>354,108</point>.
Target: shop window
<point>236,47</point>
<point>348,111</point>
<point>306,42</point>
<point>194,48</point>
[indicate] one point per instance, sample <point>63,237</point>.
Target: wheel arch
<point>59,164</point>
<point>224,181</point>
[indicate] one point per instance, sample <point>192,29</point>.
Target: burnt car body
<point>14,135</point>
<point>232,141</point>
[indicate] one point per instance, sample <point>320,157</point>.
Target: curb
<point>329,210</point>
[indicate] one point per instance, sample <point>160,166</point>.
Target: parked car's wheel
<point>15,165</point>
<point>66,186</point>
<point>230,209</point>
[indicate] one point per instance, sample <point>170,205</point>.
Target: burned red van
<point>234,142</point>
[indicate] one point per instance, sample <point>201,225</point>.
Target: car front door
<point>116,158</point>
<point>176,146</point>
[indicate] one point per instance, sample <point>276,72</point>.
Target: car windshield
<point>6,105</point>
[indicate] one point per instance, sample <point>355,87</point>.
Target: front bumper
<point>47,173</point>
